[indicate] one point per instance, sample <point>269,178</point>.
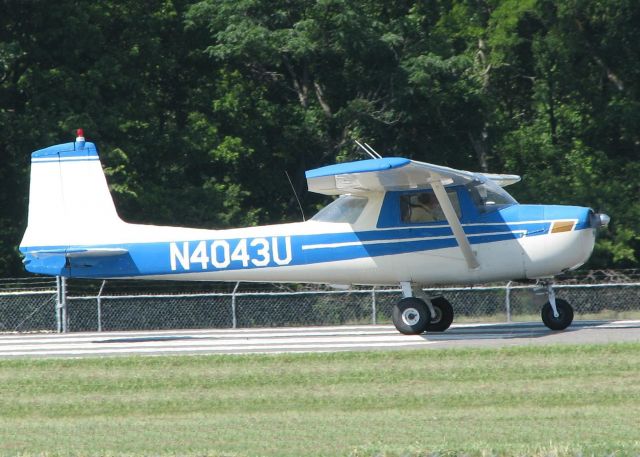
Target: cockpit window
<point>346,208</point>
<point>489,197</point>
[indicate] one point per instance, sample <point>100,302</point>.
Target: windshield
<point>489,197</point>
<point>346,208</point>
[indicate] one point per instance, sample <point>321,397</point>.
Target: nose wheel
<point>557,314</point>
<point>564,315</point>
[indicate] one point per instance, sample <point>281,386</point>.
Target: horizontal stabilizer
<point>80,252</point>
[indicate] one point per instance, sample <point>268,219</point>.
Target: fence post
<point>234,320</point>
<point>99,301</point>
<point>58,304</point>
<point>61,304</point>
<point>374,312</point>
<point>65,314</point>
<point>507,301</point>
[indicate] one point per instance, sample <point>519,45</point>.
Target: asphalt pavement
<point>307,339</point>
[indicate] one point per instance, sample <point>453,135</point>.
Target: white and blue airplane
<point>395,221</point>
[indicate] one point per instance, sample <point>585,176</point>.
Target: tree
<point>199,106</point>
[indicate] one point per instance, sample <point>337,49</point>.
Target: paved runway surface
<point>310,339</point>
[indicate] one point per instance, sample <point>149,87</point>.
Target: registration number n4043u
<point>225,253</point>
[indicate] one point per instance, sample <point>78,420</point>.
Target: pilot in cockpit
<point>422,207</point>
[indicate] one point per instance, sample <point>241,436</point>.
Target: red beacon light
<point>80,138</point>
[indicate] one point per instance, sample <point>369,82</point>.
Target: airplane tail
<point>69,201</point>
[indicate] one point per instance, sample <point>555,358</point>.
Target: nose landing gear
<point>557,314</point>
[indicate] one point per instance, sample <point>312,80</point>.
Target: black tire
<point>564,319</point>
<point>444,315</point>
<point>411,316</point>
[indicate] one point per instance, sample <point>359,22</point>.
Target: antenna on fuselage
<point>295,194</point>
<point>373,154</point>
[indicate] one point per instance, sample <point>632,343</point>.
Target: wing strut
<point>454,222</point>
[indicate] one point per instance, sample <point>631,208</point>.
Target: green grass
<point>542,401</point>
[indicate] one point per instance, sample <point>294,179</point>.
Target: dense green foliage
<point>198,107</point>
<point>519,401</point>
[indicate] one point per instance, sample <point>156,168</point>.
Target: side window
<point>424,207</point>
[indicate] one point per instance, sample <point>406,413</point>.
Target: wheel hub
<point>410,316</point>
<point>438,316</point>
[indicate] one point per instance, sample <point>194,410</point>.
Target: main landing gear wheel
<point>411,316</point>
<point>565,315</point>
<point>444,315</point>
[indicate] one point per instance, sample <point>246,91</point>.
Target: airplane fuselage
<point>520,241</point>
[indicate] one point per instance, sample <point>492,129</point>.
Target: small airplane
<point>395,221</point>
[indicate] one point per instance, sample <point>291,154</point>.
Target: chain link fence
<point>44,304</point>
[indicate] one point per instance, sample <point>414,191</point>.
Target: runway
<point>308,339</point>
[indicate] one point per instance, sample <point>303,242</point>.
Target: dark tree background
<point>198,107</point>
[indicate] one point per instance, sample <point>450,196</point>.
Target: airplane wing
<point>391,173</point>
<point>397,173</point>
<point>502,180</point>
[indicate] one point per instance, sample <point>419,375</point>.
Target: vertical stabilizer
<point>69,200</point>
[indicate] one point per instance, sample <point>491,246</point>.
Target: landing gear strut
<point>557,314</point>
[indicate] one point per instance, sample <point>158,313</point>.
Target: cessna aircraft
<point>395,221</point>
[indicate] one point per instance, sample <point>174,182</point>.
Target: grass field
<point>542,401</point>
